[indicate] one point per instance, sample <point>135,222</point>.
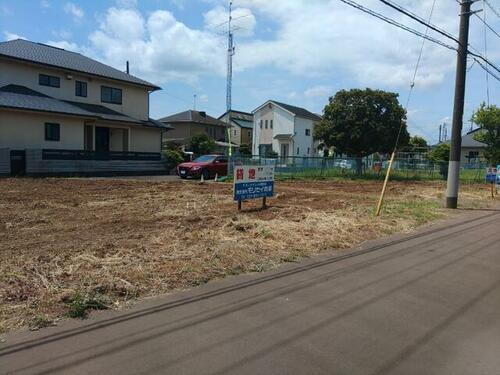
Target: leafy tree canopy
<point>361,122</point>
<point>201,144</point>
<point>417,142</point>
<point>440,153</point>
<point>488,118</point>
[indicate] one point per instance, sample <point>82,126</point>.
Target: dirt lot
<point>71,245</point>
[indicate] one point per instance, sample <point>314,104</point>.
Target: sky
<point>299,52</point>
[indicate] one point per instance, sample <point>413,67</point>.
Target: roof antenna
<point>128,67</point>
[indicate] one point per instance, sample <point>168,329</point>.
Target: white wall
<point>302,141</point>
<point>135,99</point>
<point>20,130</point>
<point>145,140</point>
<point>283,123</point>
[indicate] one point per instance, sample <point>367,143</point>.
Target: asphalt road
<point>427,303</point>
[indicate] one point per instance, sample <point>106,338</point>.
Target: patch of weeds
<point>259,267</point>
<point>79,304</point>
<point>40,321</point>
<point>266,233</point>
<point>421,211</point>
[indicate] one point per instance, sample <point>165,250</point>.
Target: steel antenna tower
<point>229,86</point>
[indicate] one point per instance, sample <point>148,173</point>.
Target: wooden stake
<point>493,191</point>
<point>239,205</point>
<point>264,202</point>
<point>382,194</point>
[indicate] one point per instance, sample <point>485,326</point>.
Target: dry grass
<point>70,245</point>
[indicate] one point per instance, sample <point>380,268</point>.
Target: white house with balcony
<point>284,129</point>
<point>62,112</point>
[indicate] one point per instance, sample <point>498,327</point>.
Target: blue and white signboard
<point>491,175</point>
<point>253,181</point>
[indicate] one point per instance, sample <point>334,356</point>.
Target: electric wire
<point>486,56</point>
<point>427,37</point>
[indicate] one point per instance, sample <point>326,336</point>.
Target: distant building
<point>189,123</point>
<point>241,126</point>
<point>472,151</point>
<point>284,129</point>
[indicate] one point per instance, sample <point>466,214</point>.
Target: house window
<point>308,132</point>
<point>52,132</point>
<point>266,124</point>
<point>235,132</point>
<point>298,150</point>
<point>250,133</point>
<point>271,124</point>
<point>51,81</point>
<point>111,95</point>
<point>81,89</point>
<point>261,124</point>
<point>308,150</point>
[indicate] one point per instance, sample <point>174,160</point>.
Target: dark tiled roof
<point>20,97</point>
<point>243,123</point>
<point>238,115</point>
<point>60,58</point>
<point>298,111</point>
<point>13,96</point>
<point>192,117</point>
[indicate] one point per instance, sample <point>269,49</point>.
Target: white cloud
<point>74,10</point>
<point>69,46</point>
<point>243,20</point>
<point>62,34</point>
<point>45,3</point>
<point>126,3</point>
<point>11,36</point>
<point>178,3</point>
<point>159,47</point>
<point>6,10</point>
<point>316,38</point>
<point>203,98</point>
<point>319,91</point>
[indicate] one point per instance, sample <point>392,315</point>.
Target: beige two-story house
<point>241,123</point>
<point>185,125</point>
<point>64,112</point>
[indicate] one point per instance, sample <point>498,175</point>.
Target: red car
<point>206,165</point>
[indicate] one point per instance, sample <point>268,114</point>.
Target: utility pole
<point>229,87</point>
<point>440,132</point>
<point>194,102</point>
<point>458,106</point>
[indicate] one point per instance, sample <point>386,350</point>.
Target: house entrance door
<point>17,162</point>
<point>101,139</point>
<point>284,150</point>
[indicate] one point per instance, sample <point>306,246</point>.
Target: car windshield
<point>205,159</point>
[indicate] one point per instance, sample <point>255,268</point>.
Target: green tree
<point>362,122</point>
<point>201,144</point>
<point>245,149</point>
<point>488,118</point>
<point>173,158</point>
<point>441,156</point>
<point>417,143</point>
<point>440,153</point>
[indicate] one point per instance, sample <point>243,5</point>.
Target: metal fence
<point>366,168</point>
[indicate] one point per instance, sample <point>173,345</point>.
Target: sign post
<point>492,178</point>
<point>253,182</point>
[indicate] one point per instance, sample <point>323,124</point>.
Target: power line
<point>419,57</point>
<point>486,56</point>
<point>419,19</point>
<point>493,9</point>
<point>413,31</point>
<point>397,24</point>
<point>487,25</point>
